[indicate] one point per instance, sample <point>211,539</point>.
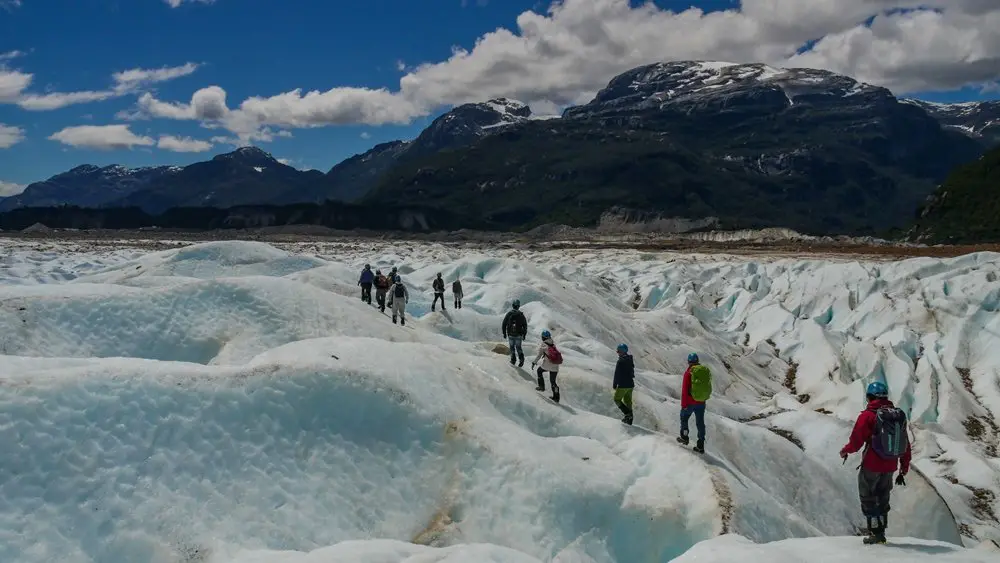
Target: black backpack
<point>518,324</point>
<point>400,290</point>
<point>889,438</point>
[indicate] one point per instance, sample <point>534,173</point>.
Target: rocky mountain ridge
<point>690,143</point>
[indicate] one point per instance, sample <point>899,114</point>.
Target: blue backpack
<point>889,439</point>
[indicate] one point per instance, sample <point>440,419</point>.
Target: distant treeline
<point>335,215</point>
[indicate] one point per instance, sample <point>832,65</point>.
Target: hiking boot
<point>394,320</point>
<point>700,447</point>
<point>627,420</point>
<point>683,439</point>
<point>555,396</point>
<point>512,361</point>
<point>520,363</point>
<point>540,388</point>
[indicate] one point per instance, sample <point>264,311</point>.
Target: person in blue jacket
<point>366,281</point>
<point>624,382</point>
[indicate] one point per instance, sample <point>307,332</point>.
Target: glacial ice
<point>237,402</point>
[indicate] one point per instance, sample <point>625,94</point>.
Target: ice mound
<point>233,402</point>
<point>727,549</point>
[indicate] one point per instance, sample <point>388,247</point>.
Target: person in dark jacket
<point>438,292</point>
<point>875,472</point>
<point>624,382</point>
<point>456,289</point>
<point>366,280</point>
<point>382,284</point>
<point>515,328</point>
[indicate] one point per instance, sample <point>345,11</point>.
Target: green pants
<point>623,399</point>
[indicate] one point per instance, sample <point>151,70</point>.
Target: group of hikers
<point>398,296</point>
<point>881,429</point>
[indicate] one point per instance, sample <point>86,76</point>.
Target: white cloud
<point>566,54</point>
<point>10,136</point>
<point>101,137</point>
<point>12,83</point>
<point>10,55</point>
<point>8,189</point>
<point>182,144</point>
<point>13,86</point>
<point>133,79</point>
<point>177,3</point>
<point>366,135</point>
<point>10,4</point>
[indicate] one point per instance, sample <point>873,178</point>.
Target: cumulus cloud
<point>10,55</point>
<point>10,136</point>
<point>14,85</point>
<point>101,137</point>
<point>8,189</point>
<point>182,144</point>
<point>564,55</point>
<point>177,3</point>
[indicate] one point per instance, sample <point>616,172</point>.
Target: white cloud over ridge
<point>8,189</point>
<point>117,137</point>
<point>10,136</point>
<point>563,56</point>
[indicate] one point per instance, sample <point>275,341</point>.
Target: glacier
<point>237,402</point>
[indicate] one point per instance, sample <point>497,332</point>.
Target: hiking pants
<point>516,353</point>
<point>399,310</point>
<point>366,293</point>
<point>699,420</point>
<point>552,381</point>
<point>623,399</point>
<point>874,489</point>
<point>436,297</point>
<point>458,300</point>
<point>380,298</point>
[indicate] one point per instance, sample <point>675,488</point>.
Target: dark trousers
<point>366,292</point>
<point>874,489</point>
<point>552,381</point>
<point>699,420</point>
<point>458,300</point>
<point>380,298</point>
<point>436,297</point>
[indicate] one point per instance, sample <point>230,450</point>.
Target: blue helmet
<point>516,304</point>
<point>692,358</point>
<point>623,348</point>
<point>398,279</point>
<point>877,389</point>
<point>546,334</point>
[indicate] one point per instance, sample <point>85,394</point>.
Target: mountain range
<point>736,145</point>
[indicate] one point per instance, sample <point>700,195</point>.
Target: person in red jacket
<point>690,406</point>
<point>876,469</point>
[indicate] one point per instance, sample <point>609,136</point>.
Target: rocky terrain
<point>668,147</point>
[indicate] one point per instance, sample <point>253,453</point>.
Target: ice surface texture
<point>237,402</point>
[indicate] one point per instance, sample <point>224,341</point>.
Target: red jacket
<point>861,437</point>
<point>686,399</point>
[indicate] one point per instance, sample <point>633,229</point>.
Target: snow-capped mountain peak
<point>980,120</point>
<point>251,156</point>
<point>658,85</point>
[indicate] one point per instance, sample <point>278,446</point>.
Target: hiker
<point>382,285</point>
<point>551,359</point>
<point>696,388</point>
<point>624,382</point>
<point>367,277</point>
<point>438,292</point>
<point>456,289</point>
<point>398,298</point>
<point>881,429</point>
<point>515,328</point>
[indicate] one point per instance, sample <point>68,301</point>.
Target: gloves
<point>900,480</point>
<point>843,455</point>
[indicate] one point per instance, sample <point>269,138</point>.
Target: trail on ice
<point>238,402</point>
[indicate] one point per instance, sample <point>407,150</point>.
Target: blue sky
<point>266,48</point>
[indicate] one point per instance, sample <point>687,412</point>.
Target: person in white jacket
<point>551,358</point>
<point>398,298</point>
